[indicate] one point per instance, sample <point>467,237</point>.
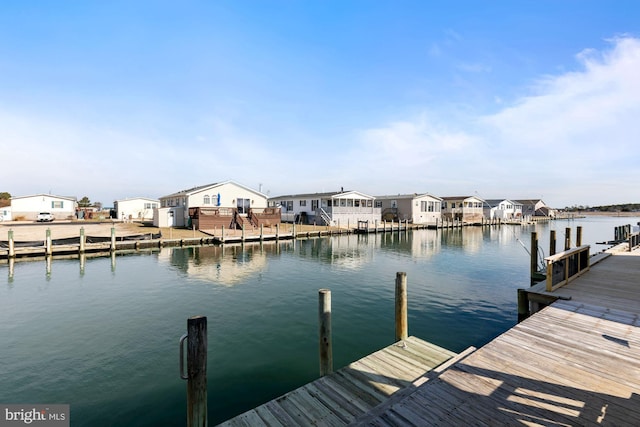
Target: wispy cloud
<point>554,141</point>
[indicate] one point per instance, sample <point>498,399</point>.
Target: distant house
<point>463,208</point>
<point>417,208</point>
<point>536,208</point>
<point>28,207</point>
<point>502,209</point>
<point>227,204</point>
<point>5,213</point>
<point>340,208</point>
<point>135,208</point>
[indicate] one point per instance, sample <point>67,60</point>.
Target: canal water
<point>101,334</point>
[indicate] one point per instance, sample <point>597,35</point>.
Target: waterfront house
<point>28,207</point>
<point>225,204</point>
<point>5,213</point>
<point>536,208</point>
<point>135,208</point>
<point>503,209</point>
<point>463,208</point>
<point>416,208</point>
<point>340,208</point>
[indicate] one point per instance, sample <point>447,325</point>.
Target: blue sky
<point>513,99</point>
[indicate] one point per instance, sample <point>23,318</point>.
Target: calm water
<point>102,335</point>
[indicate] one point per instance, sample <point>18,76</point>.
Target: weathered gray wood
<point>324,332</point>
<point>402,328</point>
<point>197,372</point>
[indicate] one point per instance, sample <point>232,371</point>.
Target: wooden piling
<point>47,243</point>
<point>83,240</point>
<point>523,305</point>
<point>402,329</point>
<point>567,238</point>
<point>197,371</point>
<point>324,317</point>
<point>579,236</point>
<point>534,256</point>
<point>12,247</point>
<point>113,239</point>
<point>552,242</point>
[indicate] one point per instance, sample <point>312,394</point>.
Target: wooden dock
<point>575,362</point>
<point>341,397</point>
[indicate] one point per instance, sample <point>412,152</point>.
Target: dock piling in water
<point>324,343</point>
<point>402,328</point>
<point>196,374</point>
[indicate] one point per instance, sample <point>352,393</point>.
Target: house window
<point>314,205</point>
<point>423,206</point>
<point>430,206</point>
<point>57,205</point>
<point>289,205</point>
<point>444,205</point>
<point>206,200</point>
<point>369,203</point>
<point>343,203</point>
<point>349,203</point>
<point>378,203</point>
<point>357,203</point>
<point>303,203</point>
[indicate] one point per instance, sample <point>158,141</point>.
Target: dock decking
<point>341,397</point>
<point>576,362</point>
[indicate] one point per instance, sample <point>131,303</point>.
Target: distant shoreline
<point>612,214</point>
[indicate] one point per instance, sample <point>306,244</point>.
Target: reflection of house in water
<point>225,265</point>
<point>351,251</point>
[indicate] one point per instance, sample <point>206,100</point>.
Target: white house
<point>5,213</point>
<point>135,208</point>
<point>343,208</point>
<point>222,200</point>
<point>502,209</point>
<point>417,208</point>
<point>28,207</point>
<point>463,208</point>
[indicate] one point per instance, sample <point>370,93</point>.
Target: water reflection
<point>227,265</point>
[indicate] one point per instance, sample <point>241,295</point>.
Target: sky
<point>498,99</point>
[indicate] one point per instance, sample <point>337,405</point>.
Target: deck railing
<point>566,266</point>
<point>634,241</point>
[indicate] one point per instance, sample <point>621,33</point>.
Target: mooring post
<point>277,231</point>
<point>579,236</point>
<point>534,256</point>
<point>552,242</point>
<point>222,234</point>
<point>324,317</point>
<point>12,248</point>
<point>523,305</point>
<point>242,233</point>
<point>196,374</point>
<point>47,243</point>
<point>113,239</point>
<point>82,239</point>
<point>261,232</point>
<point>402,328</point>
<point>567,238</point>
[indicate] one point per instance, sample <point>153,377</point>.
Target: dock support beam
<point>523,305</point>
<point>578,236</point>
<point>12,246</point>
<point>113,239</point>
<point>402,328</point>
<point>567,238</point>
<point>83,240</point>
<point>196,376</point>
<point>47,243</point>
<point>324,317</point>
<point>534,256</point>
<point>552,242</point>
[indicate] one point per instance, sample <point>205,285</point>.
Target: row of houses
<point>231,204</point>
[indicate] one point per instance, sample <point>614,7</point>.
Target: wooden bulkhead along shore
<point>576,361</point>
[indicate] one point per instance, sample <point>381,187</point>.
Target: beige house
<point>226,204</point>
<point>416,208</point>
<point>467,209</point>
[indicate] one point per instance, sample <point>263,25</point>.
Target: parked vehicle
<point>45,217</point>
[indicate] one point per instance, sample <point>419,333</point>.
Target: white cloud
<point>574,139</point>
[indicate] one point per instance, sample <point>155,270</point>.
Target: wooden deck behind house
<point>576,362</point>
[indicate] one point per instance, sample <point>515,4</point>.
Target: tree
<point>4,195</point>
<point>84,202</point>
